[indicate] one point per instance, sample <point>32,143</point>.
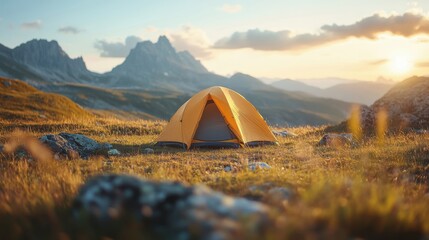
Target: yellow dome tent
<point>218,117</point>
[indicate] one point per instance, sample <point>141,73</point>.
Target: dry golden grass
<point>374,190</point>
<point>21,102</point>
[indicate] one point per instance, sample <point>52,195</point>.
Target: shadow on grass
<point>60,223</point>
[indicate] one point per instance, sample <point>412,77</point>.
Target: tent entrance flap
<point>212,126</point>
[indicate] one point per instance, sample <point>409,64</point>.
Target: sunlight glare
<point>400,65</point>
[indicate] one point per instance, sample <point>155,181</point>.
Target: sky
<point>271,39</point>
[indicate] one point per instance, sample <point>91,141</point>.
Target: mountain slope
<point>360,92</point>
<point>154,104</point>
<point>20,101</point>
<point>292,85</point>
<point>158,66</point>
<point>327,82</point>
<point>407,105</point>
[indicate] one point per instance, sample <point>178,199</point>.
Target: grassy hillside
<point>148,104</point>
<point>296,108</point>
<point>374,190</point>
<point>277,106</point>
<point>22,102</point>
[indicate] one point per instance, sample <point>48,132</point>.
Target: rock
<point>106,146</point>
<point>228,168</point>
<point>406,106</point>
<point>59,146</point>
<point>7,83</point>
<point>284,134</point>
<point>258,165</point>
<point>85,144</point>
<point>270,193</point>
<point>113,152</point>
<point>22,154</point>
<point>72,145</point>
<point>148,151</point>
<point>335,140</point>
<point>421,131</point>
<point>169,209</point>
<point>279,194</point>
<point>367,117</point>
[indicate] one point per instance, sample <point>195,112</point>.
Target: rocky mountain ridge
<point>46,60</point>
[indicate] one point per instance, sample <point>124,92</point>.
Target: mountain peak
<point>48,55</point>
<point>159,58</point>
<point>238,80</point>
<point>163,40</point>
<point>241,75</point>
<point>44,45</point>
<point>147,47</point>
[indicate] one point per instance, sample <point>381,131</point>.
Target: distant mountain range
<point>327,82</point>
<point>363,92</point>
<point>155,80</point>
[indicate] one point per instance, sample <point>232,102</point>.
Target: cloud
<point>378,62</point>
<point>406,25</point>
<point>193,40</point>
<point>69,30</point>
<point>423,64</point>
<point>37,24</point>
<point>269,40</point>
<point>117,49</point>
<point>231,8</point>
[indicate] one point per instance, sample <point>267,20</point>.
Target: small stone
<point>113,152</point>
<point>284,134</point>
<point>422,131</point>
<point>335,140</point>
<point>148,151</point>
<point>258,165</point>
<point>21,154</point>
<point>228,168</point>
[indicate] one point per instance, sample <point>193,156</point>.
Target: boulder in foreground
<point>169,209</point>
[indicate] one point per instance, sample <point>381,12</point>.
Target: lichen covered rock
<point>169,208</point>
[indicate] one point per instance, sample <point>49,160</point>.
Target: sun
<point>400,64</point>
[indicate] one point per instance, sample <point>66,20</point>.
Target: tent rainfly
<point>216,117</point>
